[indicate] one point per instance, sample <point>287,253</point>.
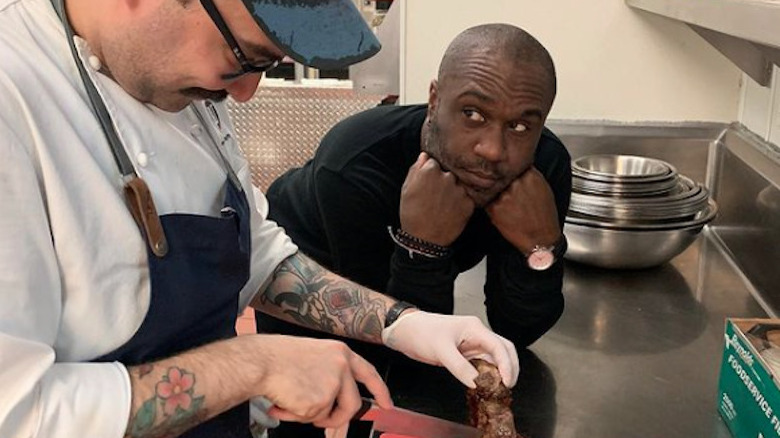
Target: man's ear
<point>433,97</point>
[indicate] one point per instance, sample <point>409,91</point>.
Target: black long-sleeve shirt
<point>338,206</point>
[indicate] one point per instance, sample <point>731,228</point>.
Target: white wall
<point>614,63</point>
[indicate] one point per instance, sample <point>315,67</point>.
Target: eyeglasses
<point>246,66</point>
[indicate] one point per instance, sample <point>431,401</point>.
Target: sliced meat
<point>489,403</point>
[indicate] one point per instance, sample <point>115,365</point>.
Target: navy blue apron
<point>194,296</point>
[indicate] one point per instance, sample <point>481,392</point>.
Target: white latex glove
<point>450,341</point>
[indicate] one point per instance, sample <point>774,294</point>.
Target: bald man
<point>404,198</point>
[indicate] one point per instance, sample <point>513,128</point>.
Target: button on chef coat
<point>74,280</point>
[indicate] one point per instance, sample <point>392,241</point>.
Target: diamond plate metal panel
<point>280,127</point>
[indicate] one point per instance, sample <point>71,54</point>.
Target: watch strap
<point>557,248</point>
<point>395,311</point>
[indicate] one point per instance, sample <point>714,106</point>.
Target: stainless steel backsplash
<point>745,180</point>
<point>685,146</point>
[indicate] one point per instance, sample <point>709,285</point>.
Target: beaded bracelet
<point>416,245</point>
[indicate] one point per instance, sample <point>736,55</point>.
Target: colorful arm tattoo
<point>174,407</point>
<point>319,299</point>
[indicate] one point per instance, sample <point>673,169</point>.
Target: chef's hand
<point>525,213</point>
<point>434,207</point>
<point>450,341</point>
<point>314,381</point>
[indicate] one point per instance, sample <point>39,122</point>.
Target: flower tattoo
<point>176,390</point>
<point>174,407</point>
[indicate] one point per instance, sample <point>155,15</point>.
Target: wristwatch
<point>542,257</point>
<point>395,311</point>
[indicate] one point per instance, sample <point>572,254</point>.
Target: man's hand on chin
<point>434,207</point>
<point>525,212</point>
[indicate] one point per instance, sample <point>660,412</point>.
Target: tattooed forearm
<point>173,408</point>
<point>352,306</point>
<point>306,293</point>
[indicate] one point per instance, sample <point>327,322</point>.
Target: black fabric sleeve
<point>357,205</point>
<point>427,283</point>
<point>522,304</point>
<point>353,219</point>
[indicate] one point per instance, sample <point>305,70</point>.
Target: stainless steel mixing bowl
<point>622,246</point>
<point>616,168</point>
<point>637,189</point>
<point>688,199</point>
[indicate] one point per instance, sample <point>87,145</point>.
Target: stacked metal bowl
<point>630,212</point>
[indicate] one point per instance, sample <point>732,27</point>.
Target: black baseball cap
<point>324,34</point>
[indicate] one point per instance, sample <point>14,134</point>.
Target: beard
<point>436,145</point>
<point>147,90</point>
<point>204,94</point>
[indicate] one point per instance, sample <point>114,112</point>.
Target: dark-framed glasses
<point>243,61</point>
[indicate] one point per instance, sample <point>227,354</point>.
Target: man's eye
<point>473,115</point>
<point>518,127</point>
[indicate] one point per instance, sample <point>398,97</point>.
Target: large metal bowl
<point>609,245</point>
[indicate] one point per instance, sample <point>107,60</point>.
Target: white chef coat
<point>74,281</point>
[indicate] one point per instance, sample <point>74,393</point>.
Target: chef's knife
<point>404,422</point>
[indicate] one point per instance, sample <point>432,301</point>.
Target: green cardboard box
<point>748,394</point>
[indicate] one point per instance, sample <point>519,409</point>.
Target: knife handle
<point>365,413</point>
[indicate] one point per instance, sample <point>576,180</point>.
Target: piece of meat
<point>489,403</point>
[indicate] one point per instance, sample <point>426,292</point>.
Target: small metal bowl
<point>631,246</point>
<point>628,189</point>
<point>616,168</point>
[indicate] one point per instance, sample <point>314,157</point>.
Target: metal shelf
<point>745,31</point>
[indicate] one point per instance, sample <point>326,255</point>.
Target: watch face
<point>541,259</point>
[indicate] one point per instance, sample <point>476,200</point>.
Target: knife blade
<point>405,422</point>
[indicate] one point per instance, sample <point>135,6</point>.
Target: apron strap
<point>117,149</point>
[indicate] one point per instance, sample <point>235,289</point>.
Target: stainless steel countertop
<point>635,354</point>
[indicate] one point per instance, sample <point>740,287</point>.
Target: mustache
<point>204,94</point>
<point>435,144</point>
<point>480,167</point>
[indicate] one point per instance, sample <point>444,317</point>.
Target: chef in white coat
<point>131,236</point>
